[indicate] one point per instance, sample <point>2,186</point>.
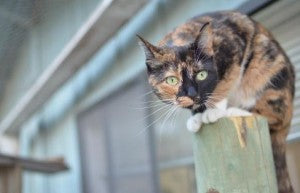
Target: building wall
<point>50,143</point>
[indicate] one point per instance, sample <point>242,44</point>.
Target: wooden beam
<point>44,166</point>
<point>234,155</point>
<point>107,19</point>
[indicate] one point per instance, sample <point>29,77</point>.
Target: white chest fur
<point>241,100</point>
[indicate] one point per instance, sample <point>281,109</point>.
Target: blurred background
<point>73,87</point>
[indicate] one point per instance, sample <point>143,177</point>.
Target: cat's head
<point>183,75</point>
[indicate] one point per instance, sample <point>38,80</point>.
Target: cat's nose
<point>191,92</point>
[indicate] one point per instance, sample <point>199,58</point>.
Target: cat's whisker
<point>203,58</point>
<point>171,111</point>
<point>217,93</point>
<point>167,116</point>
<point>174,117</point>
<point>157,101</point>
<point>209,104</point>
<point>157,110</point>
<point>156,120</point>
<point>198,52</point>
<point>150,106</point>
<point>151,114</point>
<point>147,93</point>
<point>162,126</point>
<point>146,127</point>
<point>215,98</point>
<point>214,95</point>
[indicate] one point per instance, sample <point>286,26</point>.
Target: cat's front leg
<point>237,112</point>
<point>211,115</point>
<point>194,123</point>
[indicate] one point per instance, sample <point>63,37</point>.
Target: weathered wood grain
<point>234,155</point>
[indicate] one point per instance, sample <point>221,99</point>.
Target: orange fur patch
<point>185,101</point>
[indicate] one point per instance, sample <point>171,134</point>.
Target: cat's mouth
<point>185,102</point>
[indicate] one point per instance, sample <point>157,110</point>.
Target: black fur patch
<point>249,59</point>
<point>271,51</point>
<point>279,80</point>
<point>237,30</point>
<point>293,80</point>
<point>224,57</point>
<point>199,55</point>
<point>277,105</point>
<point>181,53</point>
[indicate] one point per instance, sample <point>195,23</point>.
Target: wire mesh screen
<point>16,17</point>
<point>32,34</point>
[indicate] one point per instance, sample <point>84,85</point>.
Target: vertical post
<point>10,179</point>
<point>234,155</point>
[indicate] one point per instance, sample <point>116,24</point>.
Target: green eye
<point>172,80</point>
<point>202,75</point>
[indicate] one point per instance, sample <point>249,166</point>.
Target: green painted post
<point>234,155</point>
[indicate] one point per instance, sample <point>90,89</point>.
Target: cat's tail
<point>279,150</point>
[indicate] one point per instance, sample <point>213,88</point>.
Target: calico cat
<point>225,64</point>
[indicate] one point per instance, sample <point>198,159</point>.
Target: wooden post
<point>11,168</point>
<point>10,180</point>
<point>234,155</point>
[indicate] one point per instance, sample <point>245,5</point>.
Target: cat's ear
<point>204,40</point>
<point>152,53</point>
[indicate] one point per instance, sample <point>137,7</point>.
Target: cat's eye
<point>172,80</point>
<point>202,75</point>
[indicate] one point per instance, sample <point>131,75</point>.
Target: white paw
<point>236,112</point>
<point>212,115</point>
<point>194,123</point>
